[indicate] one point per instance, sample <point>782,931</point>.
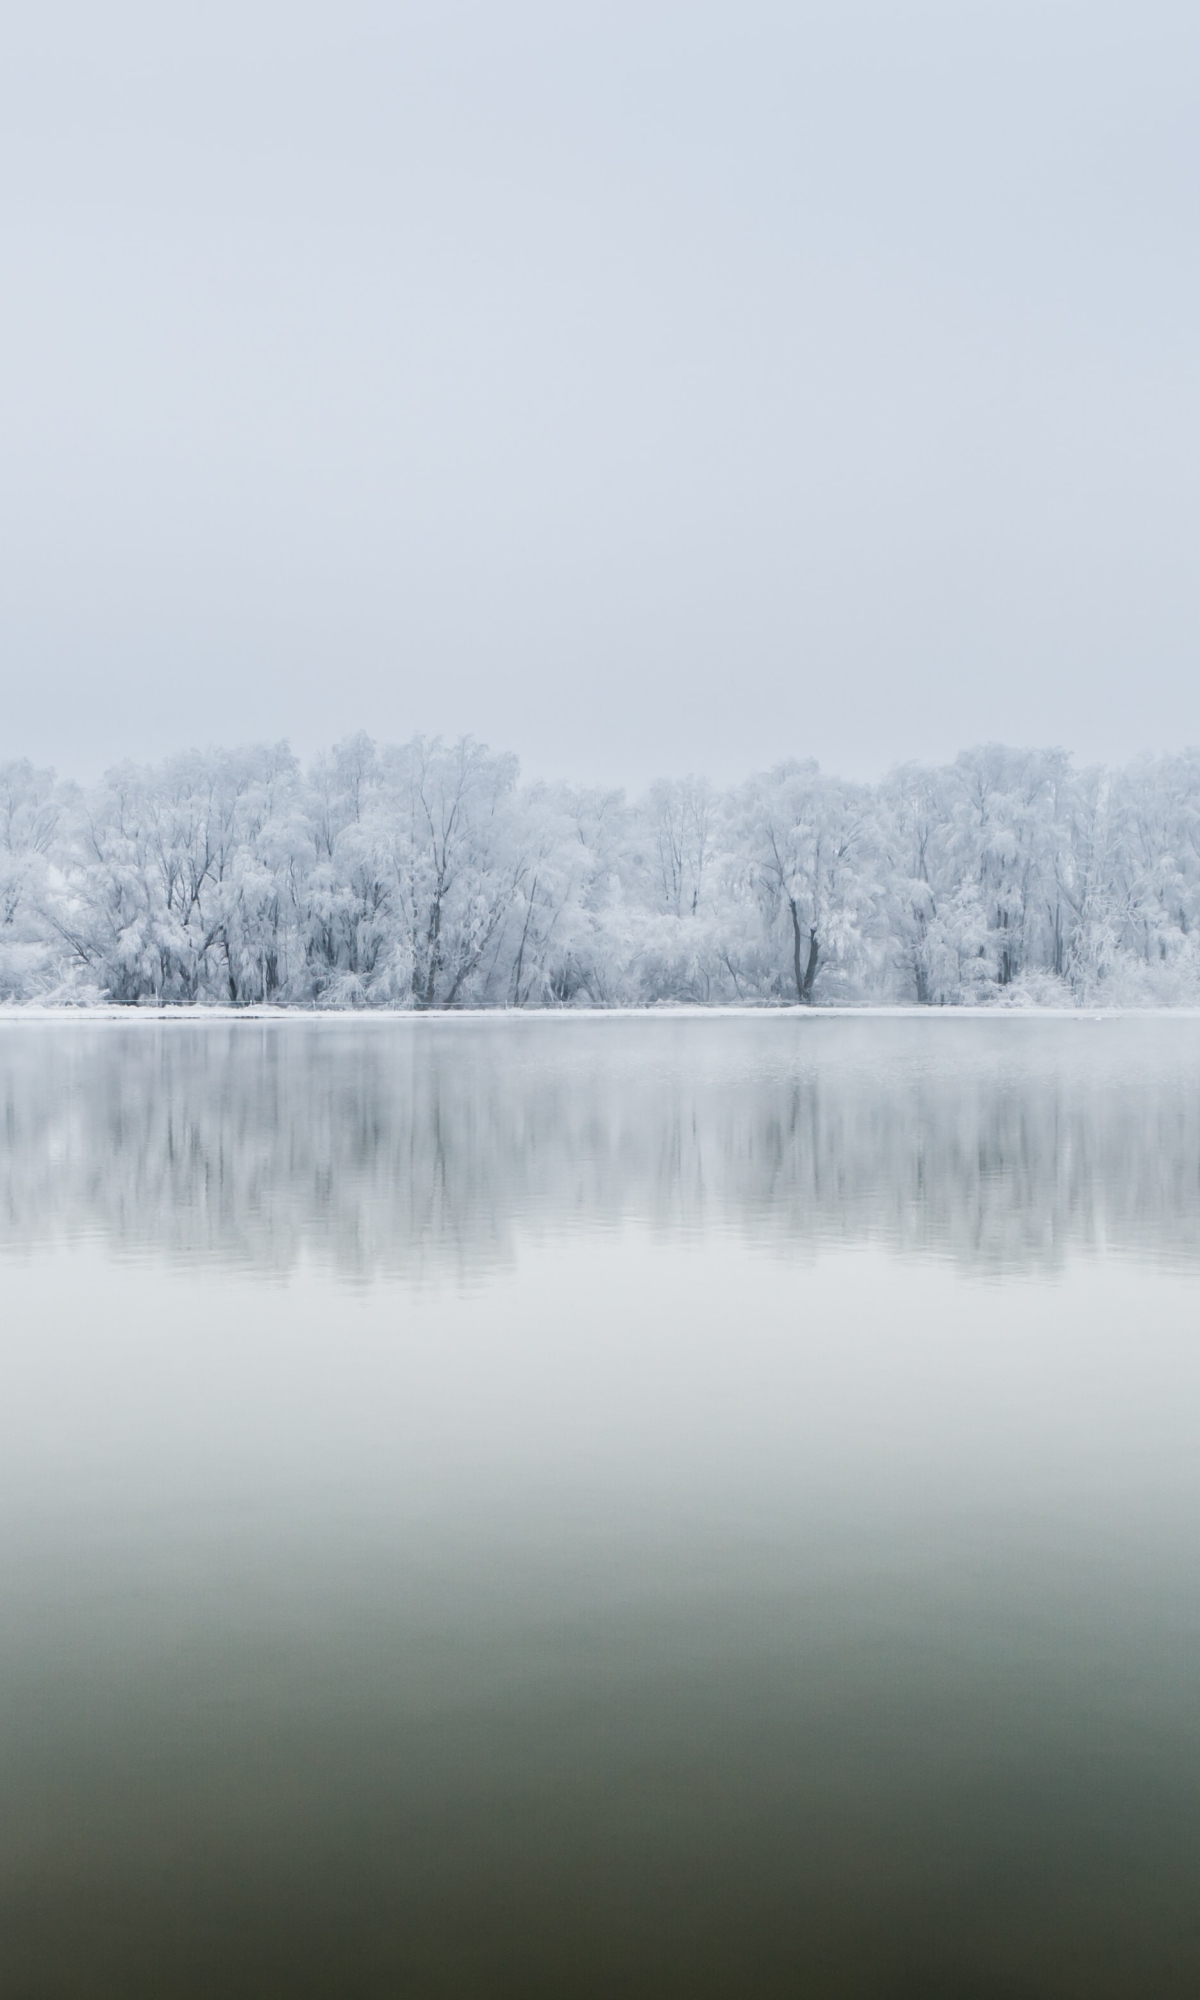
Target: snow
<point>426,877</point>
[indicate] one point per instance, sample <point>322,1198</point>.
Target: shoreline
<point>110,1013</point>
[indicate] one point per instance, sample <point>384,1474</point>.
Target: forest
<point>429,876</point>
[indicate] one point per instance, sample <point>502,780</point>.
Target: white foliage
<point>426,876</point>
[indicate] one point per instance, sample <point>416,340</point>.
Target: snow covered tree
<point>424,875</point>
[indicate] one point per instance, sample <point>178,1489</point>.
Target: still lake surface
<point>594,1506</point>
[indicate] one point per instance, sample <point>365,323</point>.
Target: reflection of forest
<point>423,1146</point>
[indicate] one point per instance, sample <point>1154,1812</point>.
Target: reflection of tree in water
<point>424,1147</point>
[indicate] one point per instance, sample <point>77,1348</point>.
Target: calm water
<point>600,1507</point>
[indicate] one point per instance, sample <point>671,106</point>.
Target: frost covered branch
<point>427,876</point>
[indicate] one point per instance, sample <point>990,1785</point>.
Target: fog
<point>644,388</point>
<point>599,999</point>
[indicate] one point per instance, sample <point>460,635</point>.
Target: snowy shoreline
<point>211,1014</point>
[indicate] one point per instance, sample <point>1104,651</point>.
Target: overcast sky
<point>640,386</point>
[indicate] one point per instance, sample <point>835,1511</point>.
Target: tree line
<point>428,876</point>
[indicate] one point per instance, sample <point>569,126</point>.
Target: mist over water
<point>381,1148</point>
<point>578,1505</point>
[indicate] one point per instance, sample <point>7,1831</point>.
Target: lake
<point>584,1505</point>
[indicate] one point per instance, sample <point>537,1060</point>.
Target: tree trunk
<point>804,979</point>
<point>810,970</point>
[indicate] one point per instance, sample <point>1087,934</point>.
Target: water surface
<point>593,1506</point>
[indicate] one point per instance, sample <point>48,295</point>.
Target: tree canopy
<point>428,876</point>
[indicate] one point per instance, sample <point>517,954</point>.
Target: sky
<point>643,387</point>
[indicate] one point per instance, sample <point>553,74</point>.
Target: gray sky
<point>642,386</point>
